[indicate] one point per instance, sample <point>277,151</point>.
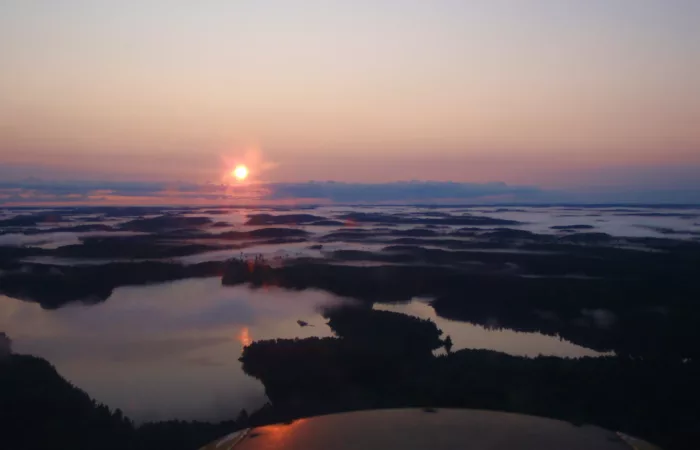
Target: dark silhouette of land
<point>384,360</point>
<point>634,297</point>
<point>39,409</point>
<point>53,287</point>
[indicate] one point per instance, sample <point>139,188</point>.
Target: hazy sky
<point>546,92</point>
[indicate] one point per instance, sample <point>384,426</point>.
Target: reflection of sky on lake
<point>171,350</point>
<point>168,350</point>
<point>465,335</point>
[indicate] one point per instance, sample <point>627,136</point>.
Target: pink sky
<point>548,94</point>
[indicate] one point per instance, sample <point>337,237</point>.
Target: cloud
<point>65,193</point>
<point>401,192</point>
<point>91,192</point>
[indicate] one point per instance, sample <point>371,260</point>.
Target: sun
<point>240,173</point>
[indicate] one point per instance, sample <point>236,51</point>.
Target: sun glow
<point>240,173</point>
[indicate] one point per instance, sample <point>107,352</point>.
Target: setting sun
<point>240,173</point>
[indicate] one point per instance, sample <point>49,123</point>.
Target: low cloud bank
<point>414,191</point>
<point>36,192</point>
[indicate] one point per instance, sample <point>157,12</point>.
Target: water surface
<point>171,350</point>
<point>466,335</point>
<point>167,350</point>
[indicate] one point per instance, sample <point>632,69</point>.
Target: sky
<point>555,94</point>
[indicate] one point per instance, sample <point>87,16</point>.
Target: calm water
<point>171,350</point>
<point>465,335</point>
<point>168,350</point>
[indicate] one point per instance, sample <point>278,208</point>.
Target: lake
<point>170,350</point>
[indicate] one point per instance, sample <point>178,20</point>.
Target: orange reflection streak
<point>278,433</point>
<point>244,337</point>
